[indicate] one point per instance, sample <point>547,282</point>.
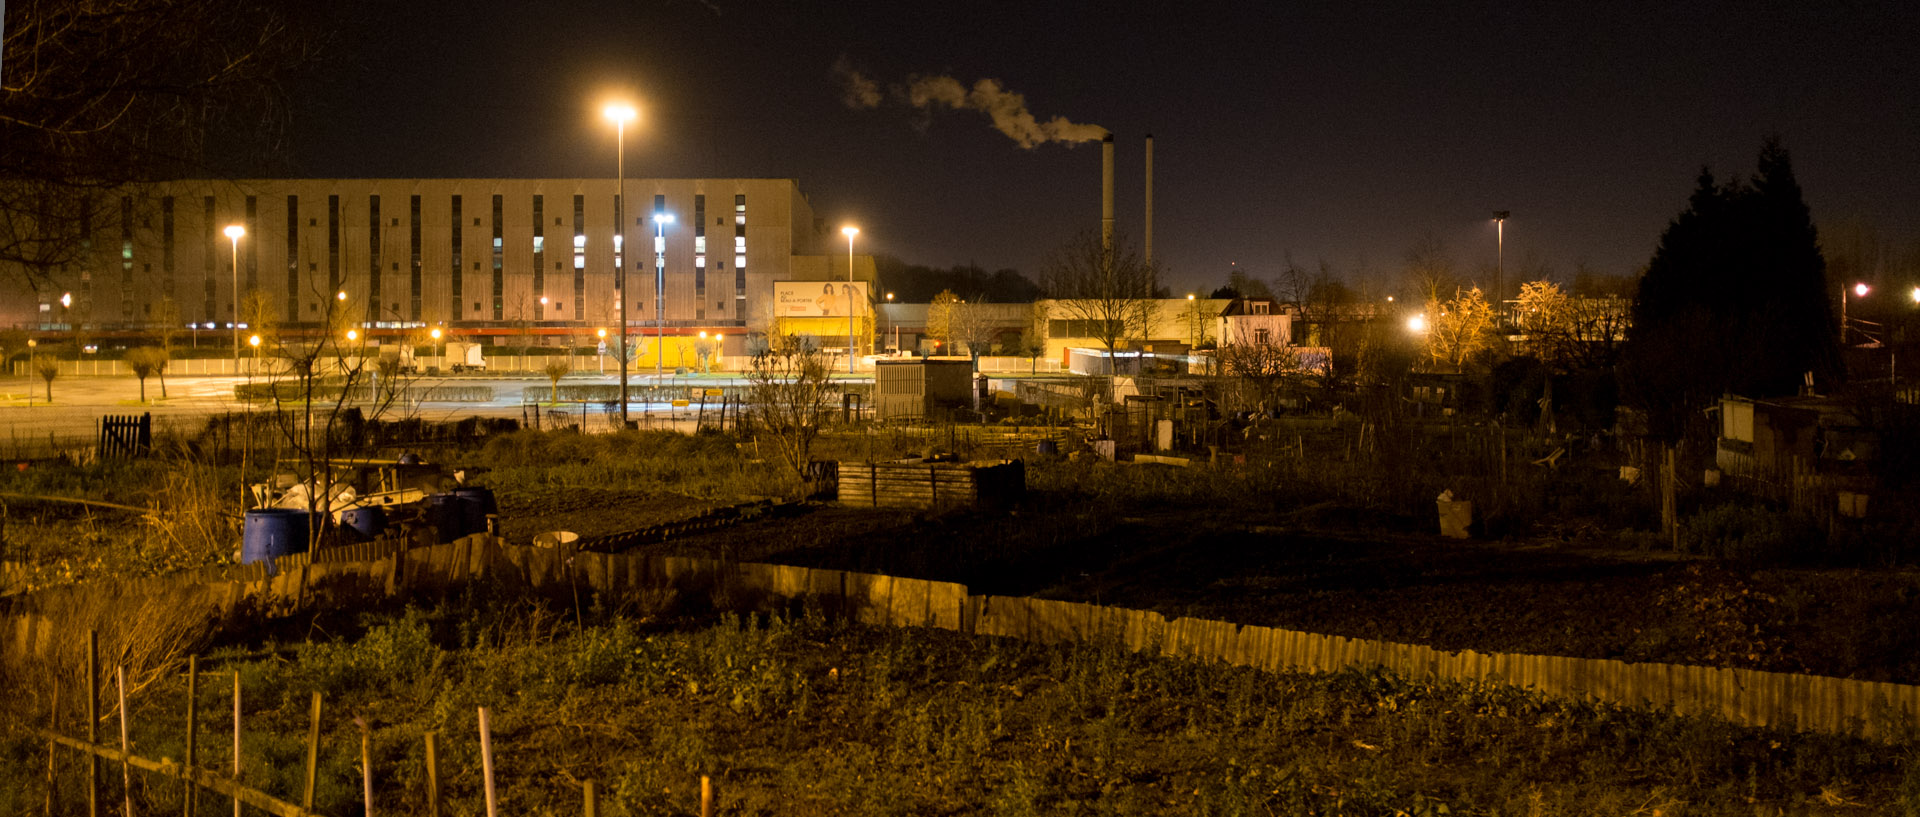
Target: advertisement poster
<point>819,299</point>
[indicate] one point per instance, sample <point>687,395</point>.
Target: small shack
<point>921,388</point>
<point>918,483</point>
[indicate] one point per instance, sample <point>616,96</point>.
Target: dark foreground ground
<point>1532,597</point>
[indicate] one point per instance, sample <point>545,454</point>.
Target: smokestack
<point>1148,241</point>
<point>1106,193</point>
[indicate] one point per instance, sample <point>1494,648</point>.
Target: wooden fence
<point>124,436</point>
<point>1742,697</point>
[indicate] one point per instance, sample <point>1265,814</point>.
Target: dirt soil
<point>1532,597</point>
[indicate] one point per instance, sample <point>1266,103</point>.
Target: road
<point>30,421</point>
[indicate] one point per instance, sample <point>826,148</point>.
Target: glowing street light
<point>849,231</point>
<point>439,352</point>
<point>1915,295</point>
<point>620,114</point>
<point>234,232</point>
<point>600,352</point>
<point>1417,324</point>
<point>1860,290</point>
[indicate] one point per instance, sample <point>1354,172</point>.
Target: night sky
<point>1343,133</point>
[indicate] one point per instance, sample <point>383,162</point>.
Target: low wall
<point>347,575</point>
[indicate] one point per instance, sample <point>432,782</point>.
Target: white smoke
<point>1007,109</point>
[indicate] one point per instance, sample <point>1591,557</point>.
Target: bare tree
<point>167,316</point>
<point>555,369</point>
<point>1430,273</point>
<point>1459,328</point>
<point>941,317</point>
<point>102,93</point>
<point>1105,294</point>
<point>789,393</point>
<point>1260,369</point>
<point>146,361</point>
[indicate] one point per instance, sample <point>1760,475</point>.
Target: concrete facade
<point>467,254</point>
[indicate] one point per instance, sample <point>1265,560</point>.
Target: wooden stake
<point>486,761</point>
<point>313,754</point>
<point>53,718</point>
<point>433,775</point>
<point>593,800</point>
<point>366,766</point>
<point>706,796</point>
<point>236,742</point>
<point>93,721</point>
<point>126,772</point>
<point>193,687</point>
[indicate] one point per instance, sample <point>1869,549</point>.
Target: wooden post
<point>193,688</point>
<point>706,796</point>
<point>93,721</point>
<point>366,766</point>
<point>486,761</point>
<point>53,723</point>
<point>313,754</point>
<point>433,775</point>
<point>126,772</point>
<point>1669,501</point>
<point>236,742</point>
<point>593,800</point>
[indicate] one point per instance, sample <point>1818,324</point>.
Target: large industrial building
<point>499,260</point>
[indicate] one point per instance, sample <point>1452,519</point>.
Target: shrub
<point>1752,534</point>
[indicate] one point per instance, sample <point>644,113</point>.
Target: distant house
<point>1255,322</point>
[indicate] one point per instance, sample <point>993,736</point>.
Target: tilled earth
<point>1515,597</point>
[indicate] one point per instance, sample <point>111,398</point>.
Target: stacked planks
<point>918,483</point>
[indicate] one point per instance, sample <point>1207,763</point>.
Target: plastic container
<point>270,533</point>
<point>478,504</point>
<point>447,514</point>
<point>366,521</point>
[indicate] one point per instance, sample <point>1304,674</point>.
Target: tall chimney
<point>1148,238</point>
<point>1106,193</point>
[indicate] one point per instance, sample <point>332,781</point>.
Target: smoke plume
<point>1007,109</point>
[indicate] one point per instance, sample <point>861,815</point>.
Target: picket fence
<point>342,576</point>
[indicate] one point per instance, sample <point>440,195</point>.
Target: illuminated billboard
<point>819,299</point>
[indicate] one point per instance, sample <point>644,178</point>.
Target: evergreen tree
<point>1734,300</point>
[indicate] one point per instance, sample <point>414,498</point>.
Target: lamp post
<point>660,222</point>
<point>234,232</point>
<point>849,231</point>
<point>620,114</point>
<point>31,370</point>
<point>1499,260</point>
<point>1860,290</point>
<point>600,354</point>
<point>438,354</point>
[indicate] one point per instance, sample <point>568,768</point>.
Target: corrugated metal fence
<point>1744,697</point>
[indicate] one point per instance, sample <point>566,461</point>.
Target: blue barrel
<point>447,515</point>
<point>477,503</point>
<point>271,533</point>
<point>367,521</point>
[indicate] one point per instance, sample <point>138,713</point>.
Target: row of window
<point>211,256</point>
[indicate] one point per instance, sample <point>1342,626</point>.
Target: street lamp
<point>600,354</point>
<point>1417,324</point>
<point>234,232</point>
<point>1860,290</point>
<point>31,370</point>
<point>660,222</point>
<point>435,334</point>
<point>620,113</point>
<point>849,231</point>
<point>1499,259</point>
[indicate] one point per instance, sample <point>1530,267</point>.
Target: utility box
<point>921,388</point>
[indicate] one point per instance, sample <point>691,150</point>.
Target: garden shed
<point>921,388</point>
